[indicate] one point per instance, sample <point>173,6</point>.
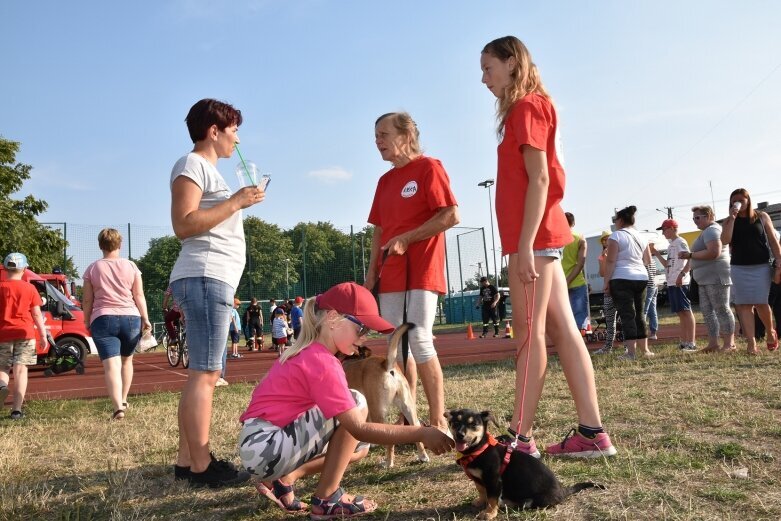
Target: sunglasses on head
<point>362,329</point>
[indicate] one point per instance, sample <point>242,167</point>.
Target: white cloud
<point>330,176</point>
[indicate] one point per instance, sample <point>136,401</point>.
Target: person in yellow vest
<point>572,262</point>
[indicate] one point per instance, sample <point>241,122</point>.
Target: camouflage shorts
<point>270,452</point>
<point>20,352</point>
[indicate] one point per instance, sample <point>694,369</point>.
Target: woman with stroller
<point>626,278</point>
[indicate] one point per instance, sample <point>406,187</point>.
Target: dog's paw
<point>387,464</point>
<point>423,458</point>
<point>487,514</point>
<point>478,502</point>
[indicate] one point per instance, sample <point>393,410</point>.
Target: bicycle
<point>177,351</point>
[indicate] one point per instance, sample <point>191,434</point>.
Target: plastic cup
<point>737,205</point>
<point>247,173</point>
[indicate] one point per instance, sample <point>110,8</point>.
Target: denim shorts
<point>206,304</point>
<point>116,335</point>
<point>679,298</point>
<point>556,253</point>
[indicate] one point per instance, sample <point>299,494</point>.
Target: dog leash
<point>526,344</point>
<point>405,336</point>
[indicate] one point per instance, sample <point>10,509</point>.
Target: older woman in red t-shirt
<point>533,233</point>
<point>412,207</point>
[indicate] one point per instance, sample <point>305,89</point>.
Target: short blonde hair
<point>109,239</point>
<point>704,210</point>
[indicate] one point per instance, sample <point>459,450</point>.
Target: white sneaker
<point>626,356</point>
<point>221,382</point>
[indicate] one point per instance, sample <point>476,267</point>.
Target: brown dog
<point>383,384</point>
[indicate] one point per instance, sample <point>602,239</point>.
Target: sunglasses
<point>362,329</point>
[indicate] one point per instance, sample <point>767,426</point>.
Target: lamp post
<point>488,183</point>
<point>287,279</point>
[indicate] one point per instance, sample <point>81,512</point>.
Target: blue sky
<point>655,99</point>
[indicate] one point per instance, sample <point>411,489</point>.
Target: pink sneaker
<point>575,445</point>
<point>521,446</point>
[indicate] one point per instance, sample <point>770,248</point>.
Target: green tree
<point>327,255</point>
<point>158,261</point>
<point>156,266</point>
<point>19,226</point>
<point>265,271</point>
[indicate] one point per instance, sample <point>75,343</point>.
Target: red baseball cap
<point>668,223</point>
<point>299,300</point>
<point>348,298</point>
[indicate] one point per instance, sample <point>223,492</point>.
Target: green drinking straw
<point>246,170</point>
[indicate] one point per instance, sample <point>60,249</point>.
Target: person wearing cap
<point>304,404</point>
<point>489,300</point>
<point>413,206</point>
<point>20,315</point>
<point>296,314</point>
<point>253,322</point>
<point>678,265</point>
<point>279,327</point>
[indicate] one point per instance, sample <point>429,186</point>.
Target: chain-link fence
<point>282,264</point>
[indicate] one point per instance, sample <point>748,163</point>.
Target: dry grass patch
<point>686,427</point>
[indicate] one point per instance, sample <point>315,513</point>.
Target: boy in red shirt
<point>20,309</point>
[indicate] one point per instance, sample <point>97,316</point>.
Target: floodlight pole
<point>488,183</point>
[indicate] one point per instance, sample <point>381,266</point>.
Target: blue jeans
<point>650,309</point>
<point>207,305</point>
<point>578,300</point>
<point>116,335</point>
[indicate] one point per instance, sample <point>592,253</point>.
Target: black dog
<point>518,478</point>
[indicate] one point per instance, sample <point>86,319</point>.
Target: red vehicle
<point>64,320</point>
<point>58,279</point>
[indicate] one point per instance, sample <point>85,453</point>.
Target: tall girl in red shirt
<point>533,234</point>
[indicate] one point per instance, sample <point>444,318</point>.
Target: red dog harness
<point>466,459</point>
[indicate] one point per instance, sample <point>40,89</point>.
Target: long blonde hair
<point>525,75</point>
<point>311,326</point>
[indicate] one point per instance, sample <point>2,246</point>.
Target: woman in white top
<point>626,278</point>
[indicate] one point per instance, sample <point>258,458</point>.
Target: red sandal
<point>334,508</point>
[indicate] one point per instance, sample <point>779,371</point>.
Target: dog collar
<point>466,459</point>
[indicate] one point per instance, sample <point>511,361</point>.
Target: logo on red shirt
<point>409,189</point>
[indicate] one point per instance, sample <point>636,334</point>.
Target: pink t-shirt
<point>112,284</point>
<point>312,377</point>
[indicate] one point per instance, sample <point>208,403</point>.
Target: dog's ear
<point>489,418</point>
<point>449,415</point>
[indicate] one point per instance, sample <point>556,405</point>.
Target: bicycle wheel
<point>172,352</point>
<point>162,341</point>
<point>185,353</point>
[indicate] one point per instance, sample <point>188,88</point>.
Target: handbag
<point>146,342</point>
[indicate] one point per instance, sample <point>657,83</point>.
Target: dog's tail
<point>574,489</point>
<point>393,345</point>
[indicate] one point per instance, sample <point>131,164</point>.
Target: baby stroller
<point>600,332</point>
<point>63,358</point>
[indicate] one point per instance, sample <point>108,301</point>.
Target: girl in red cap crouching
<point>304,404</point>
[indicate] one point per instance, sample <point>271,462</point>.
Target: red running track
<point>153,373</point>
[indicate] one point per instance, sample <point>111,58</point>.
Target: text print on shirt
<point>409,189</point>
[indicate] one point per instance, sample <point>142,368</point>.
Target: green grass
<point>683,424</point>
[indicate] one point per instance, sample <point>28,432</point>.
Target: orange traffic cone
<point>508,330</point>
<point>470,335</point>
